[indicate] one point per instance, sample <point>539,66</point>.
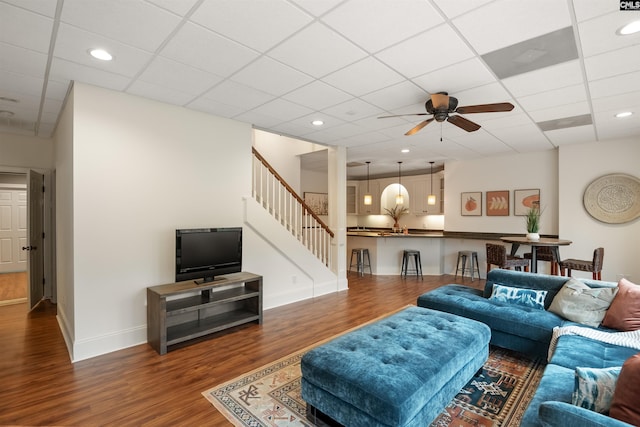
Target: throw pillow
<point>582,304</point>
<point>594,388</point>
<point>624,312</point>
<point>521,296</point>
<point>624,406</point>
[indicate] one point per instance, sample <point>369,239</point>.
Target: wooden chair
<point>594,265</point>
<point>497,255</point>
<point>544,253</point>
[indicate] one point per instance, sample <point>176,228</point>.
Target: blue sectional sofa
<point>529,330</point>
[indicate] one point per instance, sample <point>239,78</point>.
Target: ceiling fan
<point>441,105</point>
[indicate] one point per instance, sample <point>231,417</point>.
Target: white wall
<point>132,171</point>
<point>580,164</point>
<point>513,172</point>
<point>25,151</point>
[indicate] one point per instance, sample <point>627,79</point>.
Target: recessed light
<point>317,122</point>
<point>624,114</point>
<point>101,54</point>
<point>630,28</point>
<point>405,150</point>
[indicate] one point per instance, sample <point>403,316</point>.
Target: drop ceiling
<point>279,64</point>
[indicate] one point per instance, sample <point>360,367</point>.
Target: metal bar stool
<point>360,264</point>
<point>407,254</point>
<point>471,256</point>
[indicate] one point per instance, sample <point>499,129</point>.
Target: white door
<point>35,248</point>
<point>13,228</point>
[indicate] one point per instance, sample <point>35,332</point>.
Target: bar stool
<point>471,256</point>
<point>360,254</point>
<point>407,254</point>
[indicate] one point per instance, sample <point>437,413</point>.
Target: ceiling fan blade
<point>403,115</point>
<point>485,108</point>
<point>463,123</point>
<point>419,126</point>
<point>440,101</point>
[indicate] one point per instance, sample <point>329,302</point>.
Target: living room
<point>166,166</point>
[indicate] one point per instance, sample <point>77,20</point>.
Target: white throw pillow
<point>582,304</point>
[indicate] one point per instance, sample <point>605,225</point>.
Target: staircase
<point>281,202</point>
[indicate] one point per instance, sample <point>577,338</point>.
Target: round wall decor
<point>614,198</point>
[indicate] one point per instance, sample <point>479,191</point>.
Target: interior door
<point>36,237</point>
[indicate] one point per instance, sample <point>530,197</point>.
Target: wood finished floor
<point>40,386</point>
<point>13,287</point>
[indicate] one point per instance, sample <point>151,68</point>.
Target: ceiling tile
<point>181,7</point>
<point>629,101</point>
<point>363,77</point>
<point>23,61</point>
<point>411,58</point>
<point>73,45</point>
<point>353,110</point>
<point>560,111</point>
<point>282,110</point>
<point>396,96</point>
<point>553,98</point>
<point>132,22</point>
<point>455,78</point>
<point>587,9</point>
<point>317,51</point>
<point>315,7</point>
<point>599,35</point>
<point>317,96</point>
<point>504,22</point>
<point>20,83</point>
<point>458,7</point>
<point>381,23</point>
<point>25,29</point>
<point>554,77</point>
<point>259,25</point>
<point>207,51</point>
<point>215,107</point>
<point>237,95</point>
<point>623,83</point>
<point>574,135</point>
<point>62,70</point>
<point>613,63</point>
<point>178,76</point>
<point>46,8</point>
<point>159,92</point>
<point>270,76</point>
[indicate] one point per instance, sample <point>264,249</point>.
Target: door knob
<point>29,248</point>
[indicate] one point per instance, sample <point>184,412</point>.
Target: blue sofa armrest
<point>562,414</point>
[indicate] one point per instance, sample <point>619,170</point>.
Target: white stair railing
<point>282,202</point>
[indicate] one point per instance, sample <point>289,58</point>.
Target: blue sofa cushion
<point>573,351</point>
<point>534,324</point>
<point>594,387</point>
<point>561,414</point>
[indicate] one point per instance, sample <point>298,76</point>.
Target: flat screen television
<point>203,253</point>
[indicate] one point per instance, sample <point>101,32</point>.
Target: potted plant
<point>396,213</point>
<point>533,224</point>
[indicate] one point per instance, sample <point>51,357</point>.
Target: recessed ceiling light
<point>624,114</point>
<point>405,150</point>
<point>630,28</point>
<point>317,122</point>
<point>101,54</point>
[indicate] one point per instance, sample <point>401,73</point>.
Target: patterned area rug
<point>270,396</point>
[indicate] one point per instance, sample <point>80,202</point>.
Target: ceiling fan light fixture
<point>317,122</point>
<point>630,28</point>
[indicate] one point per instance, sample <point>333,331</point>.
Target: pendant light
<point>368,198</point>
<point>399,198</point>
<point>431,198</point>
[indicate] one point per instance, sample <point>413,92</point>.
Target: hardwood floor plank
<point>136,386</point>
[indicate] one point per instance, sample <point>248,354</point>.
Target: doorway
<point>13,237</point>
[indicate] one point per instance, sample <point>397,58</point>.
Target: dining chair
<point>594,265</point>
<point>497,255</point>
<point>544,253</point>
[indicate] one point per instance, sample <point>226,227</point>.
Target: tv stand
<point>183,311</point>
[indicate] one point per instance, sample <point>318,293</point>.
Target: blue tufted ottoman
<point>399,371</point>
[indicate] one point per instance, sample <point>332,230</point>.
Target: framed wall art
<point>471,203</point>
<point>317,202</point>
<point>498,203</point>
<point>523,200</point>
